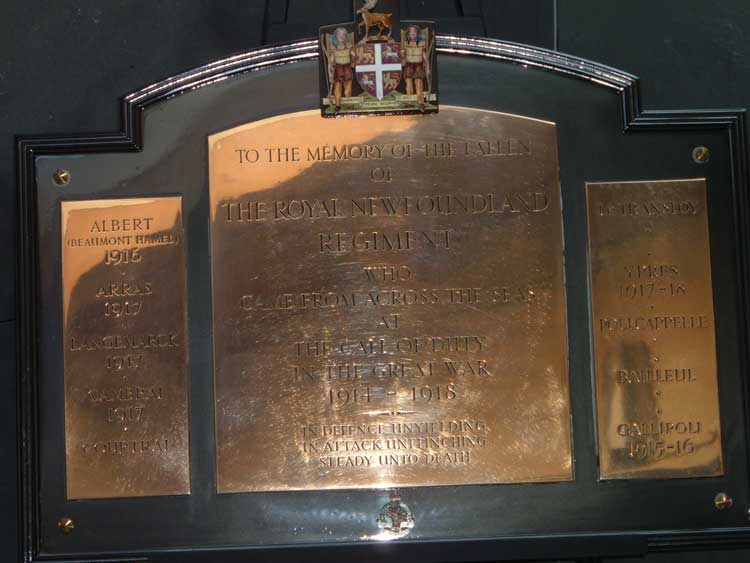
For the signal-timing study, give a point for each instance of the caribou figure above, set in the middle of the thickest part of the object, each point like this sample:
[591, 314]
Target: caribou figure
[370, 19]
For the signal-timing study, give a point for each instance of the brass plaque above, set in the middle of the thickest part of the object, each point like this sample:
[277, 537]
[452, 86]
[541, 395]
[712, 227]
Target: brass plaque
[389, 302]
[653, 330]
[126, 372]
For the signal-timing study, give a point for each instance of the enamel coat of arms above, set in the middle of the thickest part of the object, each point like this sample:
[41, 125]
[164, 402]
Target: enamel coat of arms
[379, 64]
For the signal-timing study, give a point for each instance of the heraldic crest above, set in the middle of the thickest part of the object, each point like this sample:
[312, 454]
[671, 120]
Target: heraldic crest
[378, 64]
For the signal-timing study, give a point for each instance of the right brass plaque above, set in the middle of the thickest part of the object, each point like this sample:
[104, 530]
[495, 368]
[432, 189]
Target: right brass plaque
[653, 330]
[389, 302]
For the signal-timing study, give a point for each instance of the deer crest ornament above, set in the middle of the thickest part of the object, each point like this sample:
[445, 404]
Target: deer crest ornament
[372, 19]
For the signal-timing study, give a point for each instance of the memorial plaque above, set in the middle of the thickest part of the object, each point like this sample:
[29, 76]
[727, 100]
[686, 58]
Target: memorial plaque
[653, 330]
[126, 374]
[384, 311]
[389, 302]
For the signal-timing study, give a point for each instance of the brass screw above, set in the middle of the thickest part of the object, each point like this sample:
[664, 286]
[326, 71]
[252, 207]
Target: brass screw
[701, 155]
[66, 525]
[61, 177]
[723, 501]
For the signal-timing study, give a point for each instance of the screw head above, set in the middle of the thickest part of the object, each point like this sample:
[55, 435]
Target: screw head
[66, 525]
[723, 501]
[701, 155]
[61, 177]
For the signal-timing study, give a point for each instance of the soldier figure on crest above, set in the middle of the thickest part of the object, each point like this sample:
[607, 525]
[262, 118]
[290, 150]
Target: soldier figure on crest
[340, 65]
[417, 62]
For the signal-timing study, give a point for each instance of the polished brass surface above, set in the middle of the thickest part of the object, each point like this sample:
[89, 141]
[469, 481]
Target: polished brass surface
[388, 302]
[653, 330]
[124, 335]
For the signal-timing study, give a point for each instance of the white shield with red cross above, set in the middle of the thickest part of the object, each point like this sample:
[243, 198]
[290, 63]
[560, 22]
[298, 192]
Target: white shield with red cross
[379, 68]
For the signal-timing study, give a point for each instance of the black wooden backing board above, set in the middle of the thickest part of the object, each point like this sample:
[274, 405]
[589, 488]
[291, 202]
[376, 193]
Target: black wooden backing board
[63, 65]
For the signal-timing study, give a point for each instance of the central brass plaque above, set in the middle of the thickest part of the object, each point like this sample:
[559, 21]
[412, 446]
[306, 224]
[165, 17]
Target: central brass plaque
[389, 304]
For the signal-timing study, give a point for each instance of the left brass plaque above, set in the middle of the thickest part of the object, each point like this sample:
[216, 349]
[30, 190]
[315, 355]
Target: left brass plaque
[126, 371]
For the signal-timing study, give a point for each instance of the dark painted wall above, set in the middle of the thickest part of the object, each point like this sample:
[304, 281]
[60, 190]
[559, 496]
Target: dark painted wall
[64, 64]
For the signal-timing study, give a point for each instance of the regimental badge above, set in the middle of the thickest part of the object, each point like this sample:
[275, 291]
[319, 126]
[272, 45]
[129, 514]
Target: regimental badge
[396, 519]
[378, 64]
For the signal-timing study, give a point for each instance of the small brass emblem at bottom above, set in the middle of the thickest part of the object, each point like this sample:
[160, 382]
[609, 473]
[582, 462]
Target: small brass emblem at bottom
[396, 519]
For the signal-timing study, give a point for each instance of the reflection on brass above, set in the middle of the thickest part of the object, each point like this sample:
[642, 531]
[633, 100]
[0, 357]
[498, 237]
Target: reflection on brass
[126, 374]
[653, 330]
[388, 302]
